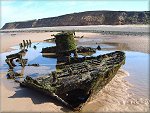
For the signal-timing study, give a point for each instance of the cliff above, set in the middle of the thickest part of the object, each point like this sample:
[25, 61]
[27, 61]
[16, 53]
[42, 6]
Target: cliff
[86, 18]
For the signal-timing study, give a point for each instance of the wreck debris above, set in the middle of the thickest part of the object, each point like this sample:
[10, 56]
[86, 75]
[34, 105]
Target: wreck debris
[82, 49]
[77, 83]
[51, 39]
[98, 47]
[78, 79]
[36, 65]
[22, 62]
[65, 43]
[11, 74]
[34, 46]
[26, 43]
[21, 45]
[49, 49]
[17, 56]
[30, 43]
[82, 36]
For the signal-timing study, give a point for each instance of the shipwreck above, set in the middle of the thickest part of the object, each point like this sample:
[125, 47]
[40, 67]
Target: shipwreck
[78, 79]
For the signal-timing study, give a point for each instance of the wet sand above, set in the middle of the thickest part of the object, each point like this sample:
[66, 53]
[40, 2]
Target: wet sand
[16, 99]
[116, 98]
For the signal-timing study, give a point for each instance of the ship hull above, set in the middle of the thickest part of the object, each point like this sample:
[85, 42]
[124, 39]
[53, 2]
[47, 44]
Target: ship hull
[77, 83]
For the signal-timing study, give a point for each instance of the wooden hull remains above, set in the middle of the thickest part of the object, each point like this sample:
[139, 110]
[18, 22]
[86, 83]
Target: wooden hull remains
[75, 84]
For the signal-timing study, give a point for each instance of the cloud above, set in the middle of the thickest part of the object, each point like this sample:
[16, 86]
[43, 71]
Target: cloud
[20, 11]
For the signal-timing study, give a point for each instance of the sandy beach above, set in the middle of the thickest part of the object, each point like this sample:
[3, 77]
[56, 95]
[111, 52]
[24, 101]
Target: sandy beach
[14, 99]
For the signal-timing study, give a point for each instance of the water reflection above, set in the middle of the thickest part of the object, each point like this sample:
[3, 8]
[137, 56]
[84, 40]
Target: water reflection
[34, 57]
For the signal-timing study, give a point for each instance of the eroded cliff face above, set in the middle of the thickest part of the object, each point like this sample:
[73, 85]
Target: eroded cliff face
[86, 18]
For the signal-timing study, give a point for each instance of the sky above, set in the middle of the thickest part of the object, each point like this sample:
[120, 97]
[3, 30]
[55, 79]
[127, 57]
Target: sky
[22, 10]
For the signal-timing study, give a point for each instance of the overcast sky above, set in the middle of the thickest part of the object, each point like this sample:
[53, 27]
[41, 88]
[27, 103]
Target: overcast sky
[20, 10]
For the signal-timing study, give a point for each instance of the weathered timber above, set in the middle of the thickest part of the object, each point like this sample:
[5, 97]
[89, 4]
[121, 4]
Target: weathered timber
[98, 47]
[21, 45]
[17, 56]
[27, 42]
[36, 65]
[30, 42]
[24, 43]
[77, 83]
[50, 40]
[12, 74]
[49, 49]
[82, 49]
